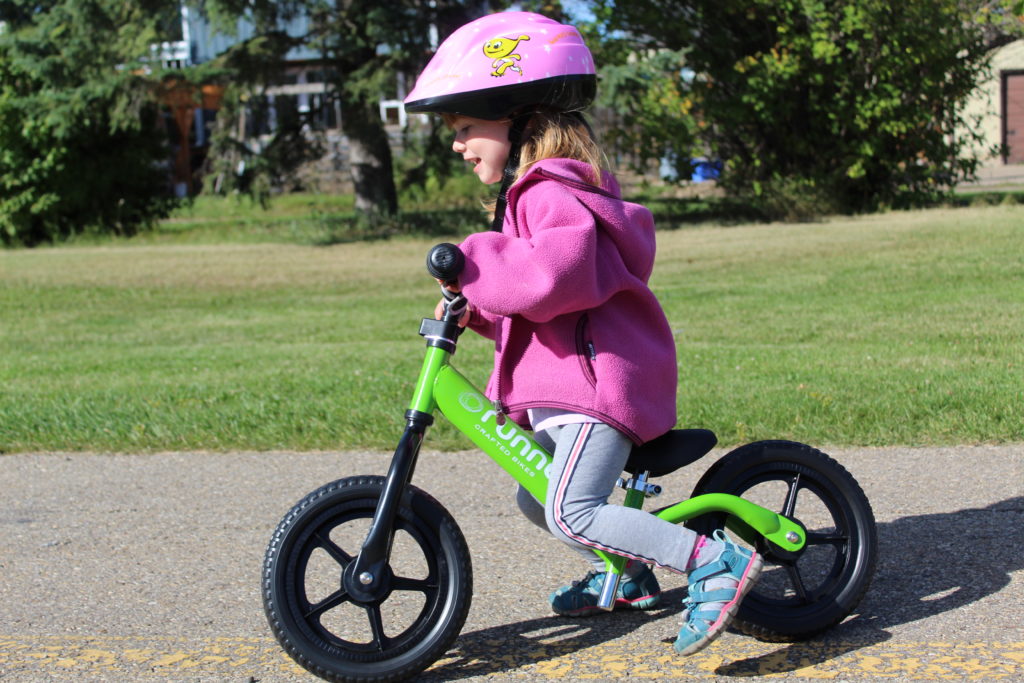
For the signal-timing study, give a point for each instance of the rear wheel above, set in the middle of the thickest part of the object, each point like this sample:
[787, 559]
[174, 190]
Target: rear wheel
[804, 593]
[339, 638]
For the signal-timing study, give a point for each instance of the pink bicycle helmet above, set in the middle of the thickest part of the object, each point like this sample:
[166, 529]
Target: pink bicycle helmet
[504, 63]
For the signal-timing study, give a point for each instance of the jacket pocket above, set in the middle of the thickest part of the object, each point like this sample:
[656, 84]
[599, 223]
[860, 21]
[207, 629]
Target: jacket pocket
[586, 352]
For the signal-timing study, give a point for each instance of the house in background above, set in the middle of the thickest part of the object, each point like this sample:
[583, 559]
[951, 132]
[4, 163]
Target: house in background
[999, 103]
[303, 91]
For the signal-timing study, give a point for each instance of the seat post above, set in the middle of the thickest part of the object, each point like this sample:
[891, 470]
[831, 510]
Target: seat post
[606, 600]
[637, 489]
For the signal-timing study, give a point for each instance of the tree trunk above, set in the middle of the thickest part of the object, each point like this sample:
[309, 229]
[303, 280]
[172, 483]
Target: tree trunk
[370, 159]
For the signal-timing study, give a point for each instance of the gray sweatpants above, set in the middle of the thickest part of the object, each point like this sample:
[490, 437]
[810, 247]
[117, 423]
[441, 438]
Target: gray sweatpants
[588, 458]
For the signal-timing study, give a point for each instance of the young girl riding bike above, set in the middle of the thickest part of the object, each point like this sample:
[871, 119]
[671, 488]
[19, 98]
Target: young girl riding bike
[583, 352]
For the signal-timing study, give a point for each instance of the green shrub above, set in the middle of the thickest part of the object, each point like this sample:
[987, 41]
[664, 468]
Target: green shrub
[81, 144]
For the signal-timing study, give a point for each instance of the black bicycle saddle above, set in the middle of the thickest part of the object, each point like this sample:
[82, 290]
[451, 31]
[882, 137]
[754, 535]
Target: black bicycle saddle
[670, 451]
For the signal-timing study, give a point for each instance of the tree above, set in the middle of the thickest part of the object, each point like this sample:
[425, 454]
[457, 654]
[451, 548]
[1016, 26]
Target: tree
[364, 46]
[826, 105]
[642, 108]
[1001, 21]
[80, 139]
[646, 96]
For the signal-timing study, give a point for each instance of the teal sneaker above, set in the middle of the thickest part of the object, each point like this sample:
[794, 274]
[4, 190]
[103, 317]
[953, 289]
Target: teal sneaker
[580, 599]
[715, 592]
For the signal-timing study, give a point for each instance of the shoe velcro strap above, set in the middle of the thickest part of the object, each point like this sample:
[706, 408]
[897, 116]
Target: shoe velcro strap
[734, 556]
[708, 570]
[709, 616]
[719, 595]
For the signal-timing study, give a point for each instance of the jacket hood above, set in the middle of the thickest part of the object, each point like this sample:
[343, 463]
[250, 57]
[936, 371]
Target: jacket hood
[629, 225]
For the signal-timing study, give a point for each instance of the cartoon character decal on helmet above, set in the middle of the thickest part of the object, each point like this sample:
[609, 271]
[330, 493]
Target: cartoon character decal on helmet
[501, 51]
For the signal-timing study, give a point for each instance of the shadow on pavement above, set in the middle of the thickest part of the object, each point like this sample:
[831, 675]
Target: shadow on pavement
[512, 646]
[928, 565]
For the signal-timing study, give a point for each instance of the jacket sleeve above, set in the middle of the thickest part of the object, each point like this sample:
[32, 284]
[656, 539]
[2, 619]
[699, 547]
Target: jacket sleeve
[564, 264]
[483, 323]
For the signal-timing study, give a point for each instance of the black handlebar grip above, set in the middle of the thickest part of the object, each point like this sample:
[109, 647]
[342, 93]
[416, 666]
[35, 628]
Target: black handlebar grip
[445, 262]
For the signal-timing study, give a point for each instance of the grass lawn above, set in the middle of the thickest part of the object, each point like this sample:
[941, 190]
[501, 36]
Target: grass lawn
[892, 329]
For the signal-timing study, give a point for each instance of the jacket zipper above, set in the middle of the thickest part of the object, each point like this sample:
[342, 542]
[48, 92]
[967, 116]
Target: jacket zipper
[499, 408]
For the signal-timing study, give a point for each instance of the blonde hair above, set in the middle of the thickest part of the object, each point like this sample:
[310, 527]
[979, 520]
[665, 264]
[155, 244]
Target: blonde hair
[558, 135]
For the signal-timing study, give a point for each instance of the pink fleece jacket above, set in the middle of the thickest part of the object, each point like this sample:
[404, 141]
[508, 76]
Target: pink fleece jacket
[562, 291]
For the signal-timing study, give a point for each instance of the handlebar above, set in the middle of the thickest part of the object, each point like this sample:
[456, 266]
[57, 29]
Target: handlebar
[445, 262]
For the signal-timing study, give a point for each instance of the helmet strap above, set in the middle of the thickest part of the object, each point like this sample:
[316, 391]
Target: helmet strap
[508, 176]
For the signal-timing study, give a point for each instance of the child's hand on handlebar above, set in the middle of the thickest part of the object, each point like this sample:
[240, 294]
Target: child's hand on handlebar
[440, 308]
[450, 289]
[453, 287]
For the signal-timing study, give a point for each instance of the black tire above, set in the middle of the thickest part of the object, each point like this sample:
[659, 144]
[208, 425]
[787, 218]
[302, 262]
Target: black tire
[799, 594]
[392, 639]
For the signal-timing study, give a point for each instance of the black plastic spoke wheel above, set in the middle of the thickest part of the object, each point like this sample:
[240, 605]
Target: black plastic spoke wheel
[804, 593]
[404, 627]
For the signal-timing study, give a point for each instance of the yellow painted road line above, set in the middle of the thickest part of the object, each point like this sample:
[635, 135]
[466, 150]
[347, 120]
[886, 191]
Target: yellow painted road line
[139, 656]
[32, 657]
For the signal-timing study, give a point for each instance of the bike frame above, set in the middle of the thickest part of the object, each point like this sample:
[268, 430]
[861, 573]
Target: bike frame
[441, 387]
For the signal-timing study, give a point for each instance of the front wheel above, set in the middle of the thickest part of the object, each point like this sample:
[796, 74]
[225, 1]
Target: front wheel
[799, 594]
[394, 637]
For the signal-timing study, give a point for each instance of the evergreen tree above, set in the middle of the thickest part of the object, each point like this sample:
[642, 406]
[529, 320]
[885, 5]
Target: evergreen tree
[81, 143]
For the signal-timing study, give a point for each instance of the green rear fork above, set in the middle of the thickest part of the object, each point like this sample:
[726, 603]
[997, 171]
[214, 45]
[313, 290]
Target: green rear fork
[757, 521]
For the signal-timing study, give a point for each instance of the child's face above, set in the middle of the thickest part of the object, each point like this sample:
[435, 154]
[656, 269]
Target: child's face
[484, 144]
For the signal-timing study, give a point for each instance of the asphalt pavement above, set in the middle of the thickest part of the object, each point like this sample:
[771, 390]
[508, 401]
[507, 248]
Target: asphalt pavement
[147, 567]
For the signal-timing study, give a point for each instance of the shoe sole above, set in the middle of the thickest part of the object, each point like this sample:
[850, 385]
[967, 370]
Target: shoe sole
[646, 602]
[747, 581]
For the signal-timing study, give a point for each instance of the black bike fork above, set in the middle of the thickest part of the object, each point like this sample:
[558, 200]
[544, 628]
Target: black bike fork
[368, 578]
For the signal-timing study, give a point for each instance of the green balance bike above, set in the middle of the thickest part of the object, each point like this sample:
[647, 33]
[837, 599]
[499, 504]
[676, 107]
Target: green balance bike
[368, 578]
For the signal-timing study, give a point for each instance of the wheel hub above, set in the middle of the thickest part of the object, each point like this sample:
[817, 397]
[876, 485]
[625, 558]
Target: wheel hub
[368, 586]
[778, 554]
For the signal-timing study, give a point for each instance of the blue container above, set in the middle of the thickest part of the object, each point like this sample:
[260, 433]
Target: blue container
[705, 170]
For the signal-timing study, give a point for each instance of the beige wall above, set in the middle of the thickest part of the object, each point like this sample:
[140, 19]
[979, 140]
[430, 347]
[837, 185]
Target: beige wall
[987, 101]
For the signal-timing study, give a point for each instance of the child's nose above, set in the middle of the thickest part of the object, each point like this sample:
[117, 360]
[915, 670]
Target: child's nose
[458, 147]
